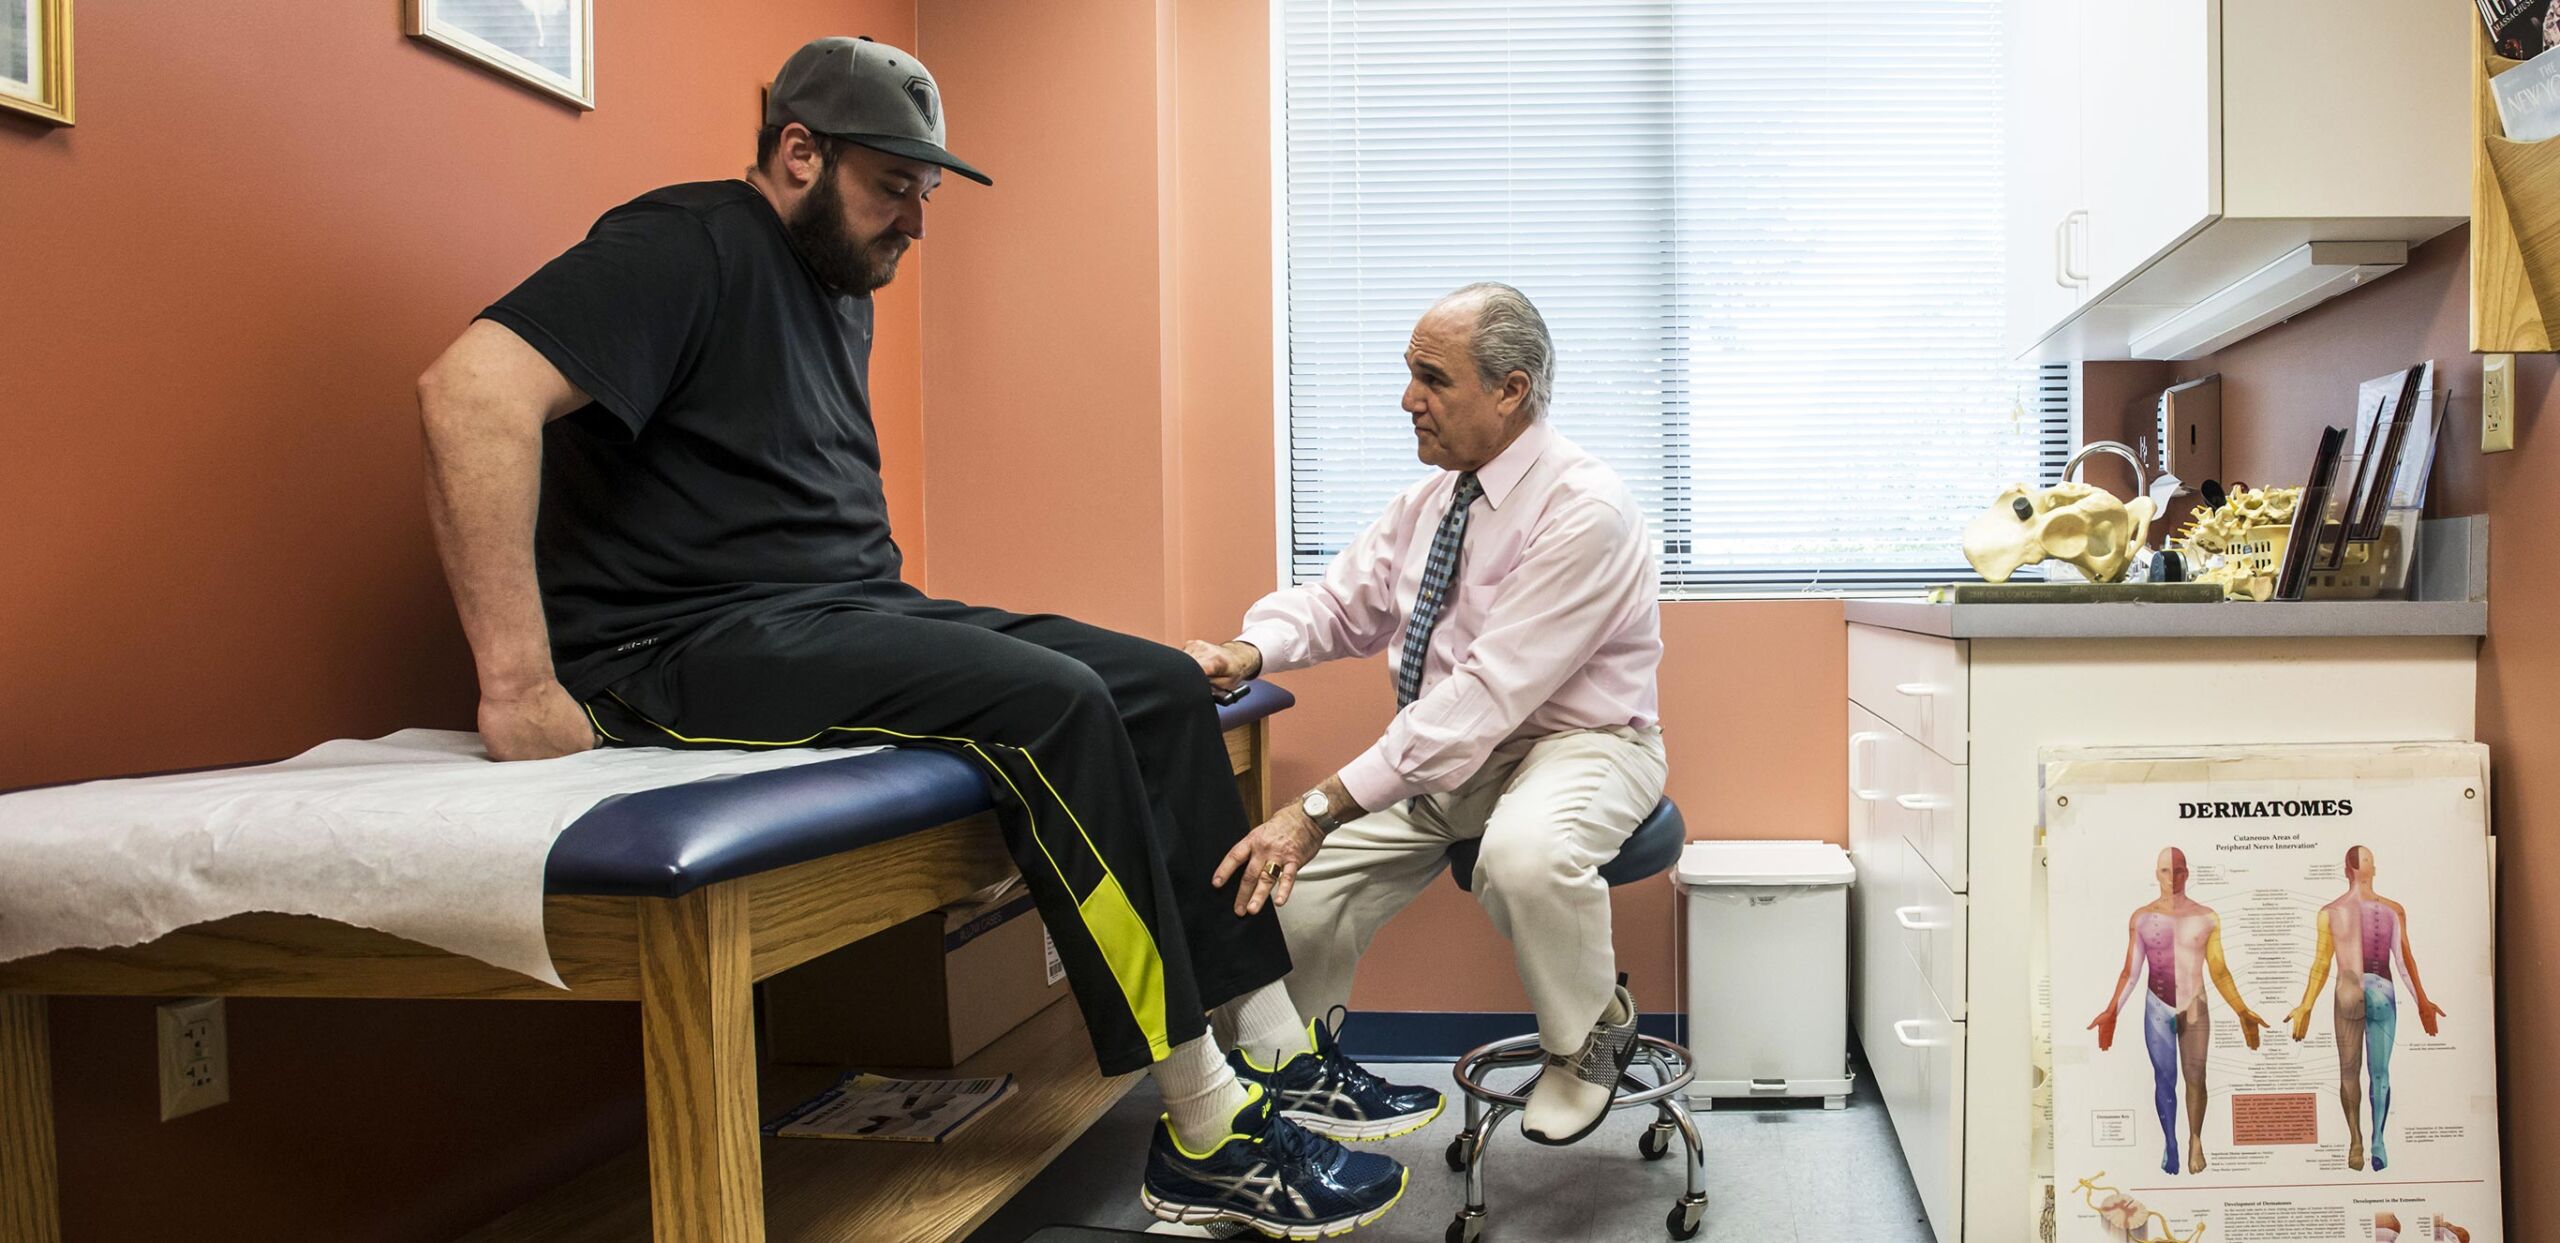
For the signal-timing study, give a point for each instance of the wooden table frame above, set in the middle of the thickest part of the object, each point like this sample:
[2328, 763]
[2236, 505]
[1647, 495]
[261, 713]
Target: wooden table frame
[691, 963]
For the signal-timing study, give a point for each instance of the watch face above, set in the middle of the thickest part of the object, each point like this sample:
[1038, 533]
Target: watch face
[1315, 804]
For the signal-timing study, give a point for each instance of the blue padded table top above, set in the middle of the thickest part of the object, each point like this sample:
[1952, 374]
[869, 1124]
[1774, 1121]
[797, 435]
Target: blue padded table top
[668, 842]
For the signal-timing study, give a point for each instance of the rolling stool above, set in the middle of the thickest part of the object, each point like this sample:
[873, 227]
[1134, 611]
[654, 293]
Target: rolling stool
[1649, 851]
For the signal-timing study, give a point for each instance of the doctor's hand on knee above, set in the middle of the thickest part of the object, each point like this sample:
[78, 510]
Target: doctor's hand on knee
[1265, 862]
[539, 724]
[1226, 663]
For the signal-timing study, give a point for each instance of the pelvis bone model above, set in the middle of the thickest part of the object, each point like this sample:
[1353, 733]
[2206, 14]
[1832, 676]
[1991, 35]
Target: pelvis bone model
[2080, 525]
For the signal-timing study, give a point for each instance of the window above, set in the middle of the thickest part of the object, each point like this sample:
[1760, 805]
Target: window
[1766, 236]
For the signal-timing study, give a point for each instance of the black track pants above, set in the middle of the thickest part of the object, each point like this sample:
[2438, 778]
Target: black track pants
[1110, 775]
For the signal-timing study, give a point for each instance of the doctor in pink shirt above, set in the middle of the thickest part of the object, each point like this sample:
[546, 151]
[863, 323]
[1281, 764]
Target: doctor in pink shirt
[1522, 576]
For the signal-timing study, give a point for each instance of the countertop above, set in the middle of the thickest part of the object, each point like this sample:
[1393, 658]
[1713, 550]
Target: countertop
[2299, 619]
[2451, 583]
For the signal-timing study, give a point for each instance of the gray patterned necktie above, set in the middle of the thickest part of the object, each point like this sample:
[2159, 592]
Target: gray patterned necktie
[1436, 577]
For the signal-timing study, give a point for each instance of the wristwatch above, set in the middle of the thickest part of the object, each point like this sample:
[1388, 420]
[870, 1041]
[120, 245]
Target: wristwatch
[1319, 809]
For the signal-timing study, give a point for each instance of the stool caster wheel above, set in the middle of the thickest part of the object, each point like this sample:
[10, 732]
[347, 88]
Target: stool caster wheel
[1655, 1143]
[1684, 1217]
[1457, 1155]
[1466, 1229]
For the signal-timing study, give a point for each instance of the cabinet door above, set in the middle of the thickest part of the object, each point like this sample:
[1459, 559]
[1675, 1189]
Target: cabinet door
[2151, 128]
[2042, 165]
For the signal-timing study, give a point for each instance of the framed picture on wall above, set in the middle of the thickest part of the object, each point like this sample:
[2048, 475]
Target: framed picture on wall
[549, 45]
[35, 58]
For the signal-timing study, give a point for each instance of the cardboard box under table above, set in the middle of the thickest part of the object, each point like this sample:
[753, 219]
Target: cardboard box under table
[929, 992]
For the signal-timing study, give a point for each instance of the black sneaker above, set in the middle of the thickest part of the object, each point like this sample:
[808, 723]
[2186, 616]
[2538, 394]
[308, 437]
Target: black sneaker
[1271, 1175]
[1335, 1097]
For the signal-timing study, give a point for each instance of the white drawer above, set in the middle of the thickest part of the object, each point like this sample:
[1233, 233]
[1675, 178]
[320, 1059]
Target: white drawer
[1875, 778]
[1928, 797]
[1876, 849]
[1918, 1059]
[1931, 919]
[1916, 682]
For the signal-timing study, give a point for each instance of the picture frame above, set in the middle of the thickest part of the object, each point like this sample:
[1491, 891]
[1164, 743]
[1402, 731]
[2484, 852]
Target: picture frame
[35, 59]
[549, 45]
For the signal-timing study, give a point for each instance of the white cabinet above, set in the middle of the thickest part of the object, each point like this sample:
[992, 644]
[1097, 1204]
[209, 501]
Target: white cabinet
[2161, 152]
[2042, 162]
[2150, 130]
[1943, 731]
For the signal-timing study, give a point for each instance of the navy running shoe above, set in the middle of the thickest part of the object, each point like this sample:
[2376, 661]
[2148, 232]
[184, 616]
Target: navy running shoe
[1271, 1176]
[1333, 1096]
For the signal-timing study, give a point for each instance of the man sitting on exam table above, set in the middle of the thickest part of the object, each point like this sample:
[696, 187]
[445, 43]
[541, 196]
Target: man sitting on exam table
[656, 489]
[1516, 586]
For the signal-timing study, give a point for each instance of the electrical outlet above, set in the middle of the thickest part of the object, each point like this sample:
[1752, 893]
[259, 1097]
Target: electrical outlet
[195, 1057]
[2497, 402]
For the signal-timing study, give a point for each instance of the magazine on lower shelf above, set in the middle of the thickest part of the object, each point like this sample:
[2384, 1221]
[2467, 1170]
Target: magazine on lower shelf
[914, 1111]
[2521, 29]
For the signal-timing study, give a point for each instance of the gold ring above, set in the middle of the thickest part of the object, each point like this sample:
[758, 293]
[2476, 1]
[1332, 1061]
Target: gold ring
[1272, 872]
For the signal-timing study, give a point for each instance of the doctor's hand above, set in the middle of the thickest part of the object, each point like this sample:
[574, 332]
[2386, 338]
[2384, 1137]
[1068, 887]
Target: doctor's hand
[1266, 862]
[1226, 663]
[539, 724]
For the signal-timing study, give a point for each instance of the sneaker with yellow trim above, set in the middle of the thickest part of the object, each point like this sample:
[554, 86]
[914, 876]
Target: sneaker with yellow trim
[1271, 1175]
[1328, 1093]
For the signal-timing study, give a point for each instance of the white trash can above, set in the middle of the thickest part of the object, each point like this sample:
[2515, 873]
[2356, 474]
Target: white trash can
[1768, 978]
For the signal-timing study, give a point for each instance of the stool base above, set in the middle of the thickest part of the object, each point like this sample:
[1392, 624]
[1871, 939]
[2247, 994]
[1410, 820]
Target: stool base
[1669, 1071]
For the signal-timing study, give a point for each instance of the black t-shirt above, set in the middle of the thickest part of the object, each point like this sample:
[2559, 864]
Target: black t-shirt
[728, 457]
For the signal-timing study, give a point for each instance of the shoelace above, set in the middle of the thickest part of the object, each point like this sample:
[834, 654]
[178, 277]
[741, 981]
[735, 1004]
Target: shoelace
[1297, 1145]
[1341, 1070]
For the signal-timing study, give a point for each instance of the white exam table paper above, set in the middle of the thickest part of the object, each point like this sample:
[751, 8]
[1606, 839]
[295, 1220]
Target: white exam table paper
[416, 834]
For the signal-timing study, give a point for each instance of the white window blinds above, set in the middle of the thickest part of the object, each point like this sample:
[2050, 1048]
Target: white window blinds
[1765, 234]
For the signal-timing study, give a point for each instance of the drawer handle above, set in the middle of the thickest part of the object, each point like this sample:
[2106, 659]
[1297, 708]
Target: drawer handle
[1857, 785]
[1919, 690]
[1922, 802]
[1903, 915]
[1906, 1038]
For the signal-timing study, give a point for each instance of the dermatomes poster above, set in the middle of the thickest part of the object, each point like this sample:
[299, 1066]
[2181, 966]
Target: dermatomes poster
[2272, 1007]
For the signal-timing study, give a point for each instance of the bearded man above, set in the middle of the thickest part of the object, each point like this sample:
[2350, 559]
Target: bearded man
[656, 489]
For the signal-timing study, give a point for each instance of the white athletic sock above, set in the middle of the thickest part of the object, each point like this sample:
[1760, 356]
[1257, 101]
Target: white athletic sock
[1265, 1026]
[1200, 1093]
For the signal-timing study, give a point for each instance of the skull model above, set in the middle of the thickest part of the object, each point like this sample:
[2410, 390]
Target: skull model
[2082, 526]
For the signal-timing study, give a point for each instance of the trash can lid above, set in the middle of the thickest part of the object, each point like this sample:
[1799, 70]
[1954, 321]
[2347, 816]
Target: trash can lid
[1765, 863]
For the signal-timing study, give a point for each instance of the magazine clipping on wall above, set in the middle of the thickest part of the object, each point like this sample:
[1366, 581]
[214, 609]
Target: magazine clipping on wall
[2288, 955]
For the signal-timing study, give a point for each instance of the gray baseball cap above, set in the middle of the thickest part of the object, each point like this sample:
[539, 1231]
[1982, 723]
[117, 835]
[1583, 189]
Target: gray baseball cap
[867, 93]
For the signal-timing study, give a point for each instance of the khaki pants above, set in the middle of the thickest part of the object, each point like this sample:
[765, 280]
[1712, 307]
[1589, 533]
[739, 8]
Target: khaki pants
[1551, 811]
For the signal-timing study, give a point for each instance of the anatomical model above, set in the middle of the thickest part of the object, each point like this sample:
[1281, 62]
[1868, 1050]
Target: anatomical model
[2171, 945]
[2211, 541]
[2083, 526]
[2361, 932]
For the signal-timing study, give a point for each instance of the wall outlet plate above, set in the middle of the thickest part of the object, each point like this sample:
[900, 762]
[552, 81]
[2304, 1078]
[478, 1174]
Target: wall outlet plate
[195, 1056]
[2497, 403]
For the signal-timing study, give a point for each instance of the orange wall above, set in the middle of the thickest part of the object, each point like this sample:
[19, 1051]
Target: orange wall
[1098, 371]
[2279, 388]
[1045, 486]
[219, 288]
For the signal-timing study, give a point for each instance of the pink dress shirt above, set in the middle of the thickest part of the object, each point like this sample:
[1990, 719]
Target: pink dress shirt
[1554, 623]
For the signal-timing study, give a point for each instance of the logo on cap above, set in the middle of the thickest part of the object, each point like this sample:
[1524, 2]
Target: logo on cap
[920, 93]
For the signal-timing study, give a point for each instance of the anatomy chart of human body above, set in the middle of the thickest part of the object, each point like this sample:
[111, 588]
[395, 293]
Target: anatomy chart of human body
[2207, 888]
[2171, 945]
[2365, 937]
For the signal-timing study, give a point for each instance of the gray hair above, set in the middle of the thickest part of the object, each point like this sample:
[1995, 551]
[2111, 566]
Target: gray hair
[1510, 336]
